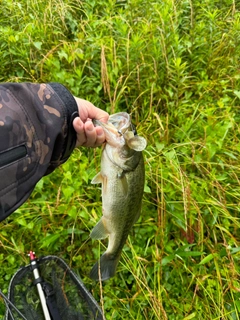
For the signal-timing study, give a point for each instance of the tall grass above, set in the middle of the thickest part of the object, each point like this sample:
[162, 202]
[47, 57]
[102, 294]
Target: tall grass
[174, 65]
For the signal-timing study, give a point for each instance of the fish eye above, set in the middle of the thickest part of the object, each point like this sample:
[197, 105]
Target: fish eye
[120, 132]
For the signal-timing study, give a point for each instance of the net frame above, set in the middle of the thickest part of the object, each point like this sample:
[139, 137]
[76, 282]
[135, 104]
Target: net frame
[73, 299]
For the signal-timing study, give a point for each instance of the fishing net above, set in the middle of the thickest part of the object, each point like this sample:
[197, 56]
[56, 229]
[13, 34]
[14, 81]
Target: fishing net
[63, 291]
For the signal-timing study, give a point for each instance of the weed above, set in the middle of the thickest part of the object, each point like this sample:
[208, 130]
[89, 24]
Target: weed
[174, 66]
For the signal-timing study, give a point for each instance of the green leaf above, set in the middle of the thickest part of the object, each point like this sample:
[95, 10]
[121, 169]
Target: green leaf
[50, 239]
[22, 221]
[68, 191]
[207, 258]
[167, 259]
[147, 189]
[190, 316]
[237, 93]
[37, 44]
[189, 253]
[170, 154]
[231, 155]
[234, 250]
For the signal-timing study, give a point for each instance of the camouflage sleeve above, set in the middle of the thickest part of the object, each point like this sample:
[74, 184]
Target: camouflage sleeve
[36, 136]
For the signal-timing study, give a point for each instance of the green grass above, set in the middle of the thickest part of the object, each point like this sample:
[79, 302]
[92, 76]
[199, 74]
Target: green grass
[175, 66]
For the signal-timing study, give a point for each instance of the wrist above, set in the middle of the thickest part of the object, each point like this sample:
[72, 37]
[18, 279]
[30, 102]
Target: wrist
[70, 113]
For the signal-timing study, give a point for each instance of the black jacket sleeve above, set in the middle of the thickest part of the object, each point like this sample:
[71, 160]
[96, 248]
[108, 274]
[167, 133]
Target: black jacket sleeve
[36, 136]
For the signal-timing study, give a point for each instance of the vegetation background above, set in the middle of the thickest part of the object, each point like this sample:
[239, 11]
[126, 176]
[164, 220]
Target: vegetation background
[175, 66]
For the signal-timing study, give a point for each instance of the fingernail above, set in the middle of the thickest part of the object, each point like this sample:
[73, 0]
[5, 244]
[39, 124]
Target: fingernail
[90, 126]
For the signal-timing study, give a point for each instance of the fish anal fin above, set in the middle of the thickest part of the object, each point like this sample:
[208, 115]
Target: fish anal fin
[99, 231]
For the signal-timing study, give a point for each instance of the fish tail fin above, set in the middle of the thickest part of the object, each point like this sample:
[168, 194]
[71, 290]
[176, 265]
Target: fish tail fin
[107, 265]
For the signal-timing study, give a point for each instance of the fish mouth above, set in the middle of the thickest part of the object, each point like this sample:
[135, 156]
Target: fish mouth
[117, 124]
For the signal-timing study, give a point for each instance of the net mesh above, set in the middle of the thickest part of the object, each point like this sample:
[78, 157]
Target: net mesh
[72, 299]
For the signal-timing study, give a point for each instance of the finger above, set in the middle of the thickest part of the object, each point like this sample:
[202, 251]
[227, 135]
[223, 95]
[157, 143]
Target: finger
[95, 136]
[87, 134]
[79, 128]
[100, 136]
[78, 125]
[91, 134]
[98, 114]
[88, 110]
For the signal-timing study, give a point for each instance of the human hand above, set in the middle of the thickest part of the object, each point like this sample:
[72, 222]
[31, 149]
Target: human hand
[87, 134]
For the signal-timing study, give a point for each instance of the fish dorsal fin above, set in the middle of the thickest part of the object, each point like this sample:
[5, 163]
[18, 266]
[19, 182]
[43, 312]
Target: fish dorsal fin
[136, 143]
[99, 231]
[97, 179]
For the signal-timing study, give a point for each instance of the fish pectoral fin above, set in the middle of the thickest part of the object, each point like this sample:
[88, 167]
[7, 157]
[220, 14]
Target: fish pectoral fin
[124, 183]
[137, 143]
[97, 179]
[99, 231]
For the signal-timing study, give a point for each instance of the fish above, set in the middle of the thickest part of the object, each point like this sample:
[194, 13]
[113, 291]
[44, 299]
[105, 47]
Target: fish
[122, 177]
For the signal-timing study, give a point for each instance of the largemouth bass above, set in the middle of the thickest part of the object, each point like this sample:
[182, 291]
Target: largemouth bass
[122, 178]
